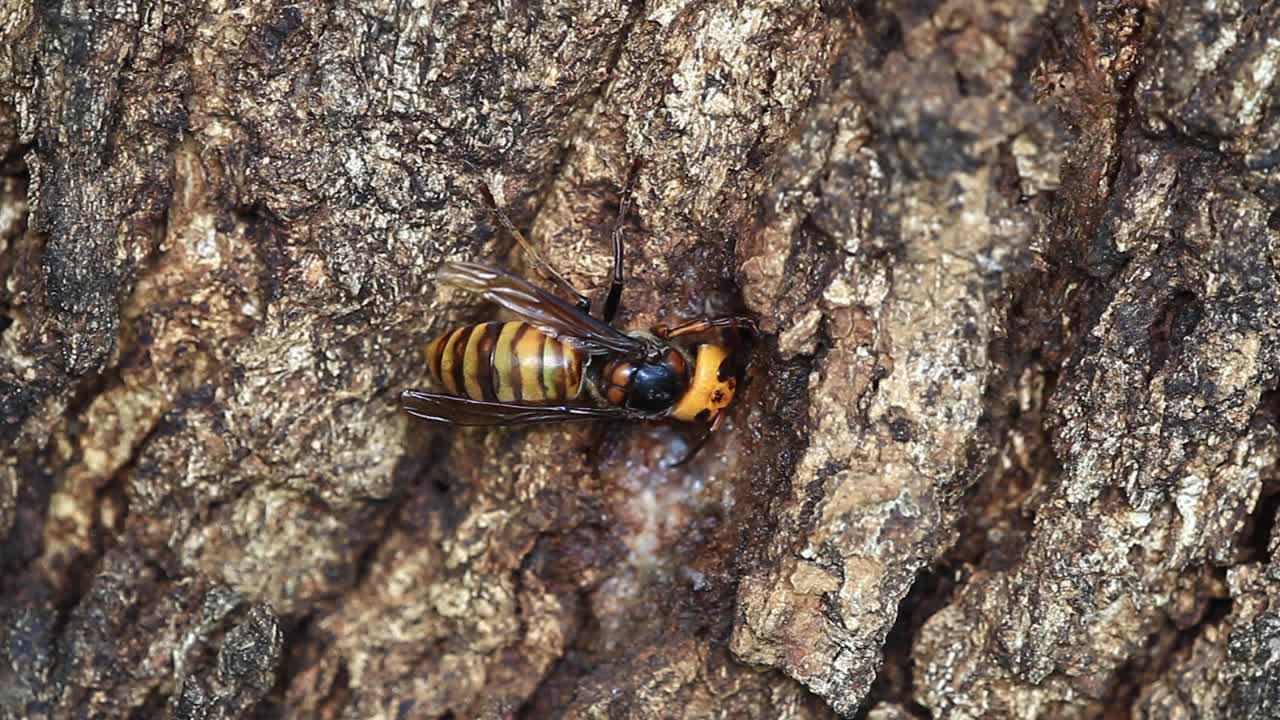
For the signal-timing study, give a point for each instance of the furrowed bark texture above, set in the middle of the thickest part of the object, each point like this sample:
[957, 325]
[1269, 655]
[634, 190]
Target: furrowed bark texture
[1009, 443]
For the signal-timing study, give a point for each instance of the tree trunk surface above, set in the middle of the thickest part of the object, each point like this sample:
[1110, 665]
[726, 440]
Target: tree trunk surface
[1008, 447]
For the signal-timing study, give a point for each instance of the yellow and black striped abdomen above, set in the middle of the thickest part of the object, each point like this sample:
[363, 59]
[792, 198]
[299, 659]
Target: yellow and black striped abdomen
[505, 361]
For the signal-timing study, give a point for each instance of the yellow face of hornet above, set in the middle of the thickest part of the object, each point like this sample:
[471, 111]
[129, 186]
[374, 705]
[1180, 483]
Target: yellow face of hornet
[711, 388]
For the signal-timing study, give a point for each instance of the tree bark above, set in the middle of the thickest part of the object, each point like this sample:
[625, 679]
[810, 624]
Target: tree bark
[1008, 448]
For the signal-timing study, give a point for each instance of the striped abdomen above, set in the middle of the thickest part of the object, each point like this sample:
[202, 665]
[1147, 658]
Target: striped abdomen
[505, 361]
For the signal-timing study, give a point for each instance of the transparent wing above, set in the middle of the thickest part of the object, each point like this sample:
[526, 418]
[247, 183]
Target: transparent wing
[539, 308]
[435, 407]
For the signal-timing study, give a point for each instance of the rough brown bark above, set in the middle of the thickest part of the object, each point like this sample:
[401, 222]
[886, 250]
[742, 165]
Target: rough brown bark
[1009, 447]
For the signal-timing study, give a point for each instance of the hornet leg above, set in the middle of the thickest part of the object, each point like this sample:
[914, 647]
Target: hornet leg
[614, 298]
[583, 303]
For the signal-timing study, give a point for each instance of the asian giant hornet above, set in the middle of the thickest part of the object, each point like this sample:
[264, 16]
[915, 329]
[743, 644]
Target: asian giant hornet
[557, 363]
